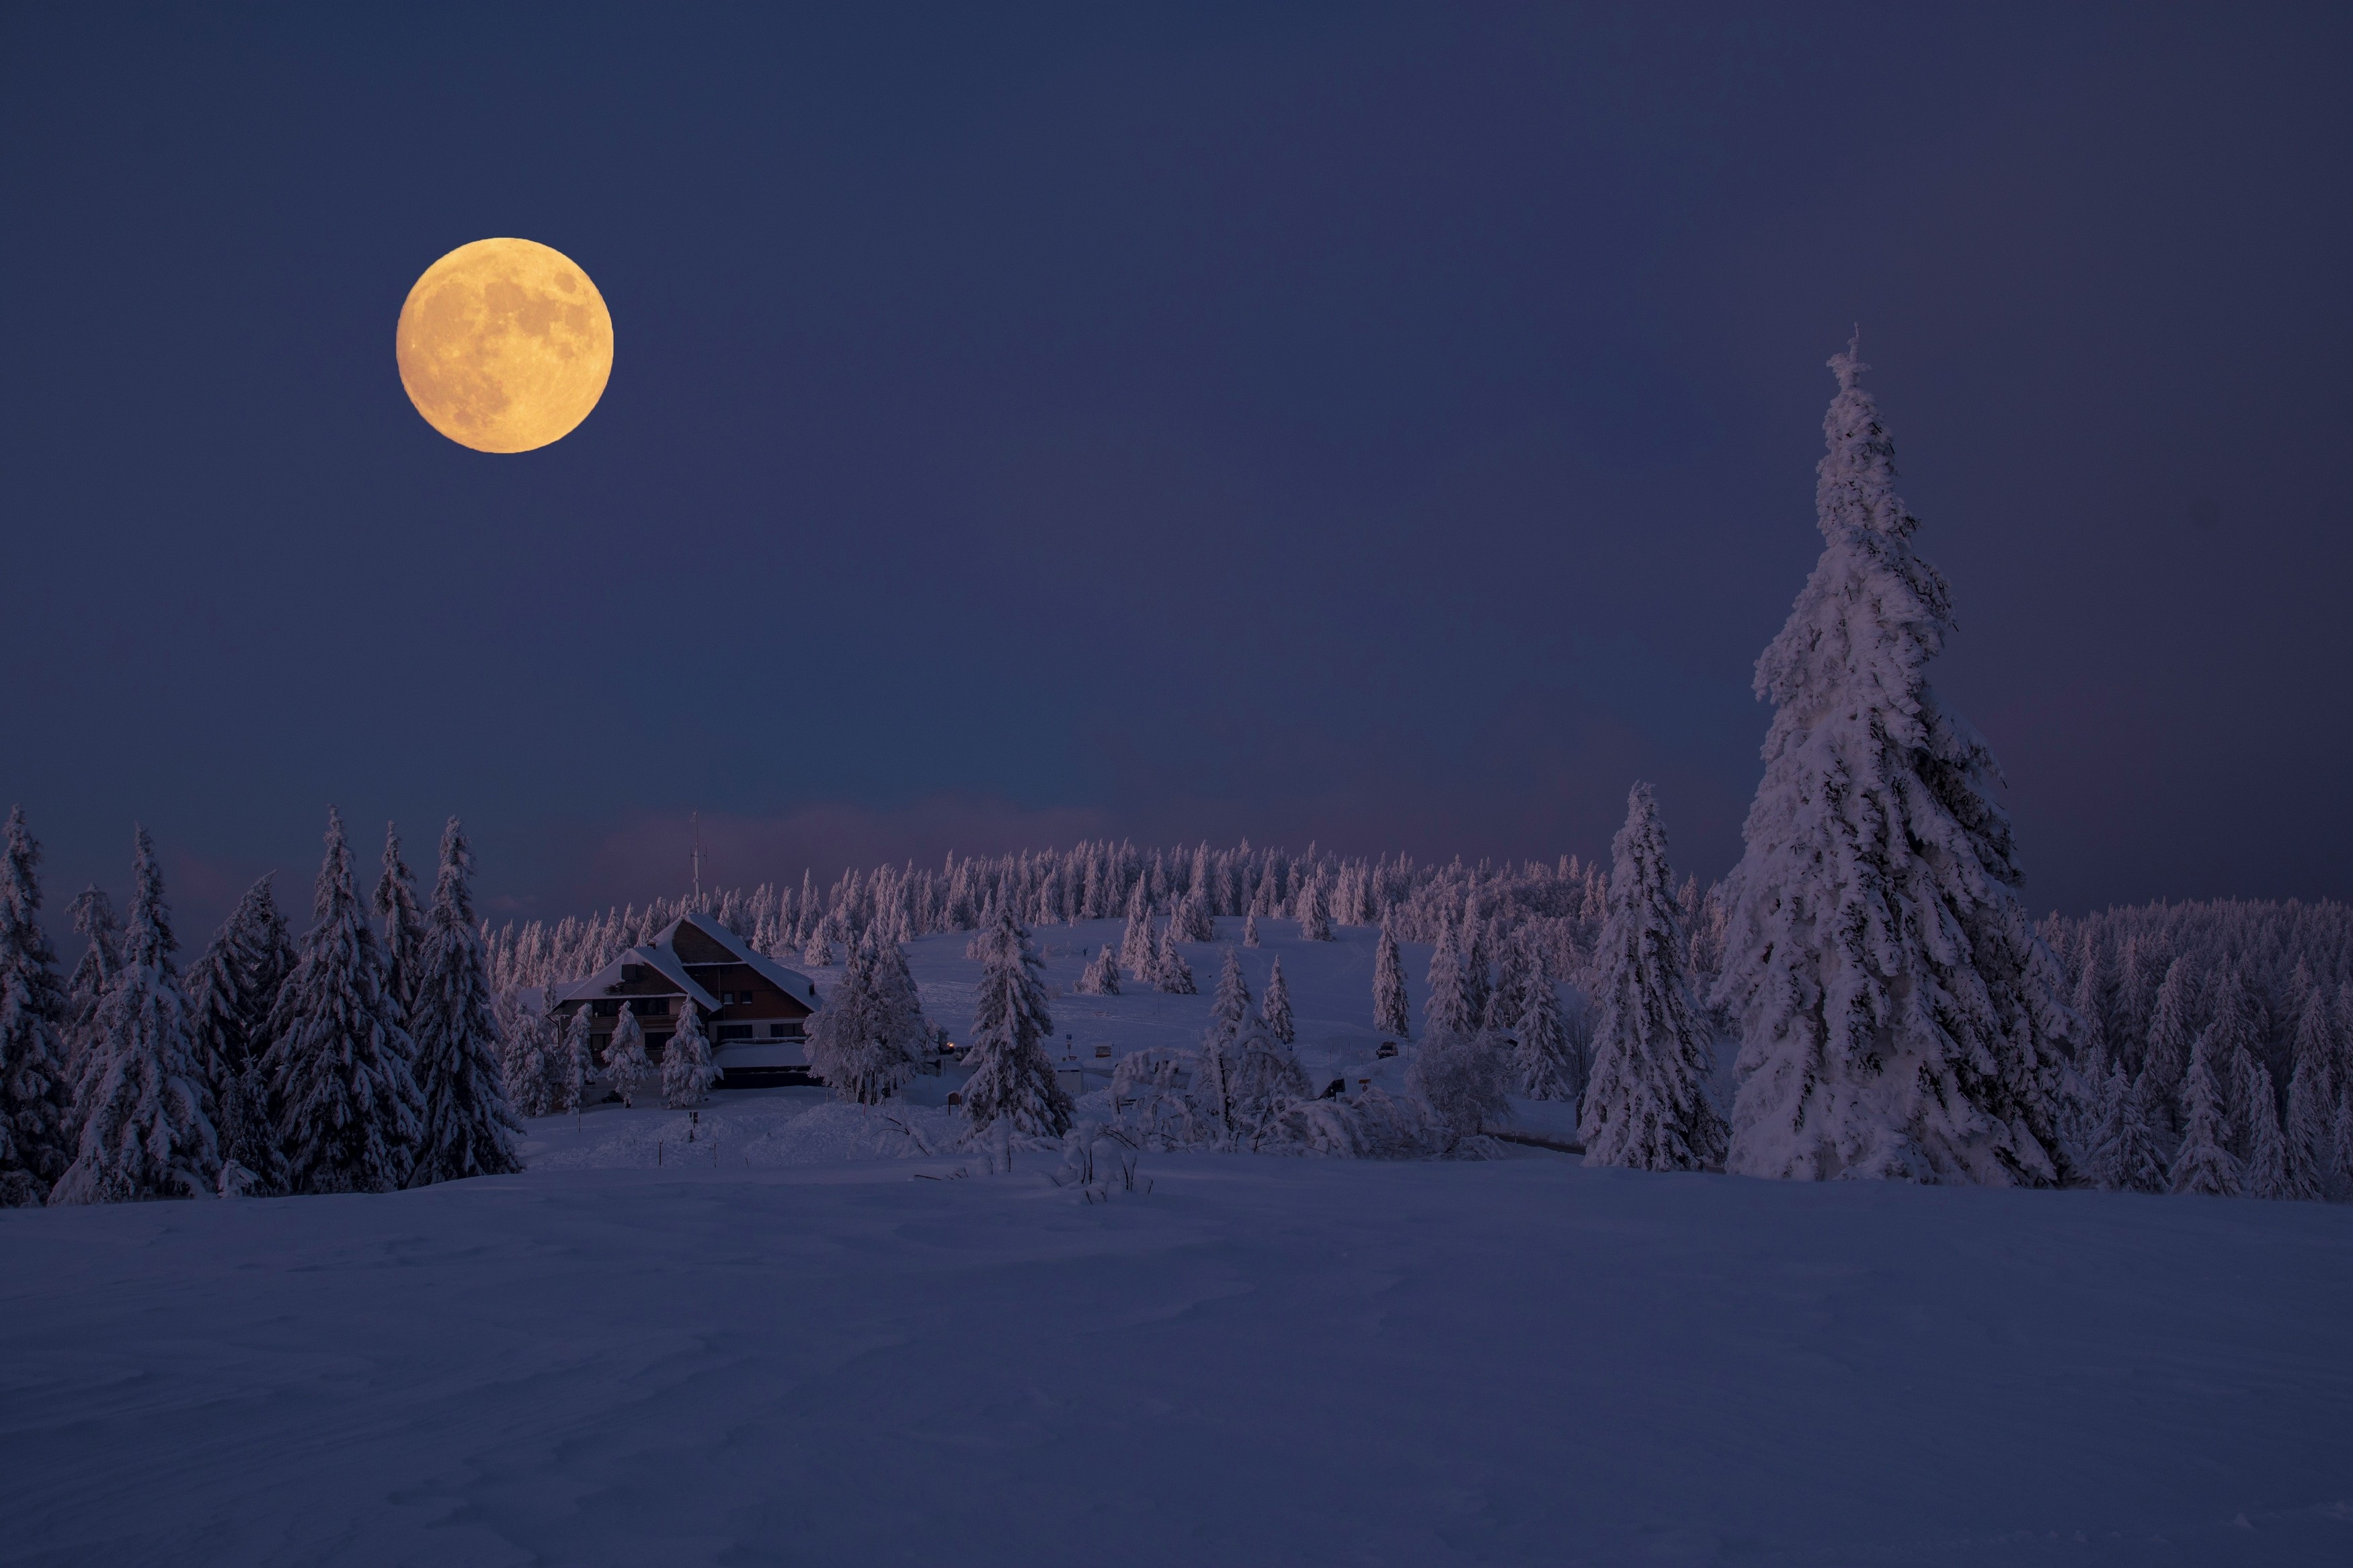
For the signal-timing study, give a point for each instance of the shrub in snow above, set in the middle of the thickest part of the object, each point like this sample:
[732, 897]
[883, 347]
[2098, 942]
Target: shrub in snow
[1101, 975]
[1646, 1106]
[1012, 1080]
[340, 1058]
[1392, 1015]
[1899, 1015]
[1463, 1079]
[1368, 1125]
[872, 1033]
[687, 1074]
[150, 1131]
[467, 1129]
[1148, 1091]
[625, 1062]
[1275, 1009]
[35, 1141]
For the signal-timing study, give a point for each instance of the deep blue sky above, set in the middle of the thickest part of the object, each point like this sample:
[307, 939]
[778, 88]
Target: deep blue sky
[1391, 427]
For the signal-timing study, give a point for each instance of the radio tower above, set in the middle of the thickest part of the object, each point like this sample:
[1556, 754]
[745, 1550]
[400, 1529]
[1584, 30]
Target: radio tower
[696, 818]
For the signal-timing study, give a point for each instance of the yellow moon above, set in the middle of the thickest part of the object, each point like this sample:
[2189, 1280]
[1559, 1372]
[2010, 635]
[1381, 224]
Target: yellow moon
[504, 345]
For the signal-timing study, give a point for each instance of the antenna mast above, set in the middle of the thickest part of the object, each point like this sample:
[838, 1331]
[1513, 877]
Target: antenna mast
[696, 818]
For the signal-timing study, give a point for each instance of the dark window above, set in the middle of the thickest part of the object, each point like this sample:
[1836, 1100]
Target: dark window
[649, 1006]
[735, 1031]
[656, 1045]
[790, 1029]
[605, 1010]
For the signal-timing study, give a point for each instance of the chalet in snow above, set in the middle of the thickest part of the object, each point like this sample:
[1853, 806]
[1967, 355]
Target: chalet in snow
[754, 1011]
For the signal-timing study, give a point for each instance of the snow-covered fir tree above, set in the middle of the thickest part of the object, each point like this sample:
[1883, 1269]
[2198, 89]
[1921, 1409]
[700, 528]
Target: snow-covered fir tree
[1448, 1009]
[340, 1060]
[1314, 919]
[230, 990]
[1230, 1006]
[1170, 972]
[625, 1062]
[1899, 1015]
[1138, 952]
[574, 1066]
[468, 1128]
[1100, 978]
[870, 1033]
[1274, 1008]
[1012, 1080]
[1250, 931]
[1545, 1063]
[1392, 1012]
[1191, 921]
[149, 1131]
[36, 1140]
[687, 1074]
[2125, 1153]
[2307, 1153]
[2266, 1171]
[92, 913]
[2172, 1029]
[2203, 1162]
[1646, 1106]
[819, 952]
[400, 924]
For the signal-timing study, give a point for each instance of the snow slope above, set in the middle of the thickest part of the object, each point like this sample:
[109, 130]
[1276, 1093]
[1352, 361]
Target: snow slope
[1262, 1361]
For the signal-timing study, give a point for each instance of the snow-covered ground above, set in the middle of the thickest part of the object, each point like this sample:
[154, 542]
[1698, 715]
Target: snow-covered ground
[775, 1344]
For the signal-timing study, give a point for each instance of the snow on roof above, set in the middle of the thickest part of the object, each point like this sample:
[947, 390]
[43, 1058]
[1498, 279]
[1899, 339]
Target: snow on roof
[790, 981]
[660, 955]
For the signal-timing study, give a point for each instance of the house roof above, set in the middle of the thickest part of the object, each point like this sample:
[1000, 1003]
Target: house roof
[661, 956]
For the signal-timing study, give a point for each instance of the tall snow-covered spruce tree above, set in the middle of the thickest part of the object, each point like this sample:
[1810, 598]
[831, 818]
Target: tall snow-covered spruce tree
[868, 1038]
[150, 1129]
[1647, 1106]
[1012, 1079]
[1899, 1016]
[340, 1058]
[469, 1130]
[1392, 1012]
[35, 1145]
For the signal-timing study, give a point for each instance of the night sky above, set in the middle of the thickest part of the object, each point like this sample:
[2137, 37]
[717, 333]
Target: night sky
[1391, 428]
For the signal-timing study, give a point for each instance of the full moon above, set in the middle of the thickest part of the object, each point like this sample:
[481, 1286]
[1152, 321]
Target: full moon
[504, 345]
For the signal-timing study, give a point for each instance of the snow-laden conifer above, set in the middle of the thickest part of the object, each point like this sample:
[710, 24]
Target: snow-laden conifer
[1646, 1106]
[2125, 1156]
[866, 1042]
[2304, 1154]
[400, 924]
[1191, 921]
[1314, 919]
[1100, 978]
[230, 990]
[340, 1058]
[1230, 1006]
[1448, 1009]
[1392, 1012]
[1012, 1080]
[687, 1074]
[1138, 952]
[819, 952]
[1545, 1063]
[1170, 972]
[1899, 1015]
[2203, 1162]
[2173, 1028]
[92, 913]
[1274, 1008]
[572, 1066]
[2340, 1138]
[468, 1128]
[36, 1138]
[2266, 1174]
[150, 1131]
[625, 1062]
[1249, 930]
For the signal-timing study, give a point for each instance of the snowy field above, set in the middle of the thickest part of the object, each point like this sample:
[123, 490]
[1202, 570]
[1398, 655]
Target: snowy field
[775, 1344]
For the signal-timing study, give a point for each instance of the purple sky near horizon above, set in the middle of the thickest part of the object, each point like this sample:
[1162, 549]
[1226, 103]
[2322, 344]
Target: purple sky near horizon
[1375, 426]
